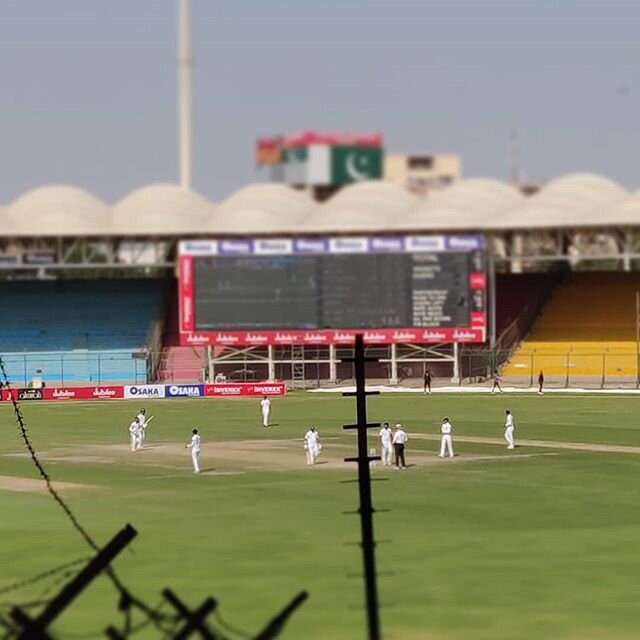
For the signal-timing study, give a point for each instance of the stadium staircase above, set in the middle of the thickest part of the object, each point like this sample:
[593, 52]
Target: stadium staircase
[587, 329]
[78, 331]
[178, 364]
[518, 302]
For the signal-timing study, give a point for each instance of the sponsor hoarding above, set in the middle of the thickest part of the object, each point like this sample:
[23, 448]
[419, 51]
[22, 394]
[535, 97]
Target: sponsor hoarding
[83, 393]
[145, 391]
[21, 394]
[230, 390]
[475, 333]
[184, 391]
[29, 394]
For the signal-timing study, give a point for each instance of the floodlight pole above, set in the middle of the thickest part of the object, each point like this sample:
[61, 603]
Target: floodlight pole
[184, 94]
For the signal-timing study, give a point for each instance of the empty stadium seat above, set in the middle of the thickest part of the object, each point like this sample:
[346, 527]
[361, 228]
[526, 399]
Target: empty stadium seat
[587, 329]
[77, 330]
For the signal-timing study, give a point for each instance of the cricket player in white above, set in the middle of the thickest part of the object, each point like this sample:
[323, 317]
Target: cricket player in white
[265, 409]
[134, 431]
[509, 428]
[400, 438]
[445, 439]
[386, 436]
[142, 422]
[312, 445]
[194, 445]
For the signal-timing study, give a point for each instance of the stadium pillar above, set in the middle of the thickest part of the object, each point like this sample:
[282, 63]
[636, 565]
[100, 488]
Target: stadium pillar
[333, 375]
[516, 252]
[628, 248]
[456, 364]
[271, 364]
[492, 300]
[209, 363]
[393, 378]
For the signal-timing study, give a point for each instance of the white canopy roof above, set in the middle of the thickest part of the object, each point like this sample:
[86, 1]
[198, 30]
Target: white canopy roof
[577, 200]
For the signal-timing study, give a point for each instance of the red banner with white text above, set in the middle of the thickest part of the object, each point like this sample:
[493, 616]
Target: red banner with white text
[83, 393]
[230, 390]
[339, 337]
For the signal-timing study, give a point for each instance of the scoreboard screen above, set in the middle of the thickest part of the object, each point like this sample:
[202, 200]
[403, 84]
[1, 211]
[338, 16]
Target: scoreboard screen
[322, 291]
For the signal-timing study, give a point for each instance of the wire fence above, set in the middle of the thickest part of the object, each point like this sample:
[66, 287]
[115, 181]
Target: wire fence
[593, 368]
[561, 367]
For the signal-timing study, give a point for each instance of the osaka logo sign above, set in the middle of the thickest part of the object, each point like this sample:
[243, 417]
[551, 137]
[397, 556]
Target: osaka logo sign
[183, 391]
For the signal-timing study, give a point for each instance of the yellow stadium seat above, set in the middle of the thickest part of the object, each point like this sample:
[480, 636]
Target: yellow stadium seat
[588, 328]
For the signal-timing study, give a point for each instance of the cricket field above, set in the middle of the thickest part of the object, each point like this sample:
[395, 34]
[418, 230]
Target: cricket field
[533, 544]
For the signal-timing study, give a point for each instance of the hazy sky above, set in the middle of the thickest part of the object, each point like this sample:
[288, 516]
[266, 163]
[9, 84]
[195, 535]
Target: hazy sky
[88, 86]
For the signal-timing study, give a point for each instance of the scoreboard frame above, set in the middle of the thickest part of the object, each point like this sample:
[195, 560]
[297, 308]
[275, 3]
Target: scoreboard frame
[190, 250]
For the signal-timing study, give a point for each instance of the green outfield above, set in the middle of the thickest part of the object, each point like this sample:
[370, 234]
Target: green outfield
[538, 543]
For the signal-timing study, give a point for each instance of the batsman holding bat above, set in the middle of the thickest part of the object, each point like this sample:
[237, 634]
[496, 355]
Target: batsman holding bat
[143, 423]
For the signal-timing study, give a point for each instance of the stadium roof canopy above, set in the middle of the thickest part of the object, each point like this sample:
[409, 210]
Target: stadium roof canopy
[572, 201]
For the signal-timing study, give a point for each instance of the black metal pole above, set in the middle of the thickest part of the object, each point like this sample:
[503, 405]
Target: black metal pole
[36, 628]
[195, 620]
[364, 485]
[275, 626]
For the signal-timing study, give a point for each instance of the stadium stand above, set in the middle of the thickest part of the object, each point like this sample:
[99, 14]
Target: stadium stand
[588, 328]
[78, 330]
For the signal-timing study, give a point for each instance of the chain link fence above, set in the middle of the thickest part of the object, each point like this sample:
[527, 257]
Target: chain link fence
[594, 369]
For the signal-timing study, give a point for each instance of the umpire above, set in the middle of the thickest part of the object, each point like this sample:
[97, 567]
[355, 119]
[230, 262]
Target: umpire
[400, 438]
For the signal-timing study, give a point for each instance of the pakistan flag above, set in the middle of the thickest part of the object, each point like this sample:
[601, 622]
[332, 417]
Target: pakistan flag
[354, 164]
[296, 154]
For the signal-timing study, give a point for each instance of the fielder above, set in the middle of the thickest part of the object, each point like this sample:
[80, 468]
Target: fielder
[194, 445]
[386, 448]
[509, 428]
[445, 439]
[265, 409]
[312, 445]
[134, 431]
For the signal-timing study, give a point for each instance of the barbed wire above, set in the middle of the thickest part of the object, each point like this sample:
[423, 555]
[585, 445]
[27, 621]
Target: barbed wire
[230, 628]
[166, 624]
[127, 600]
[21, 584]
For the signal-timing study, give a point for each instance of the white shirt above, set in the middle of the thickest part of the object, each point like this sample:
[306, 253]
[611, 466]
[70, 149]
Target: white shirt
[134, 428]
[142, 420]
[265, 404]
[195, 442]
[508, 422]
[385, 436]
[400, 437]
[445, 428]
[311, 438]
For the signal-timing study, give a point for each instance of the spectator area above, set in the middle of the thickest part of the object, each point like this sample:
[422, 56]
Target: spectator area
[588, 328]
[78, 330]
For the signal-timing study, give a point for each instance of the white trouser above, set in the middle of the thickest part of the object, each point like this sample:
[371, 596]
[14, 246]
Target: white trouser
[312, 454]
[142, 434]
[387, 454]
[445, 444]
[134, 441]
[195, 458]
[265, 417]
[508, 436]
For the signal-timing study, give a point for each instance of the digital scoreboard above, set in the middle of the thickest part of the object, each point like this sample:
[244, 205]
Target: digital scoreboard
[422, 289]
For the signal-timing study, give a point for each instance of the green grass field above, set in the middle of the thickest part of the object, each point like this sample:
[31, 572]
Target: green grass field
[539, 543]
